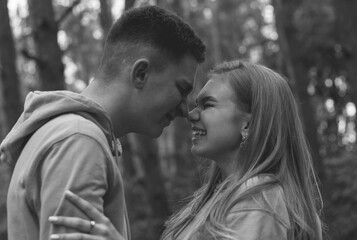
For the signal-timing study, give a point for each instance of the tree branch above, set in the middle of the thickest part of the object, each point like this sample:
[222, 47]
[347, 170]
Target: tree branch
[31, 56]
[67, 12]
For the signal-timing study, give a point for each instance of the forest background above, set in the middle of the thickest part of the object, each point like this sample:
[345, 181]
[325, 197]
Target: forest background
[57, 44]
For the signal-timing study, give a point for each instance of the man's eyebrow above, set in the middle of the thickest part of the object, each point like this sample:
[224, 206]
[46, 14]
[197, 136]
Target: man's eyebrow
[187, 86]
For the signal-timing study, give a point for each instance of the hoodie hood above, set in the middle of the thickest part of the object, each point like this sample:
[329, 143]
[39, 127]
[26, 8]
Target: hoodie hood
[41, 107]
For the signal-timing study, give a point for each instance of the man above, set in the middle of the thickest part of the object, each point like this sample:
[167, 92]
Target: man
[67, 141]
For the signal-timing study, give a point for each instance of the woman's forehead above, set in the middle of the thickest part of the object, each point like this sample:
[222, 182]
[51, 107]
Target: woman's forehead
[216, 88]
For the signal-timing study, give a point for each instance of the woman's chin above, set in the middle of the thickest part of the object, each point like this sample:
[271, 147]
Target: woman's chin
[197, 151]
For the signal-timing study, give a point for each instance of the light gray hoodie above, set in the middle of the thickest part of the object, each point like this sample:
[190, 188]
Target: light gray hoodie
[61, 141]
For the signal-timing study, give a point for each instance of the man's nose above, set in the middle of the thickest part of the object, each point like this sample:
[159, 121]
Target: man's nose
[183, 109]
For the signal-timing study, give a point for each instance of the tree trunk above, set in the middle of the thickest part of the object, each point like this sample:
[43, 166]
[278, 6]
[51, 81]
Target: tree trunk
[5, 176]
[48, 54]
[297, 72]
[285, 56]
[2, 117]
[154, 182]
[181, 135]
[129, 4]
[105, 15]
[177, 7]
[346, 36]
[10, 93]
[216, 43]
[11, 103]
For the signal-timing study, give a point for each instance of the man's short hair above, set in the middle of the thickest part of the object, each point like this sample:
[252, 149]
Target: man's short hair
[155, 28]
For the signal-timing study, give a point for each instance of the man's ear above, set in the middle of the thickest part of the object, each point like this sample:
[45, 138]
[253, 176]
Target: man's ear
[139, 72]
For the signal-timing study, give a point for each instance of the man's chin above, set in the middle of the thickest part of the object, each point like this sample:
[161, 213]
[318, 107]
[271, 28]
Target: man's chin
[153, 132]
[157, 133]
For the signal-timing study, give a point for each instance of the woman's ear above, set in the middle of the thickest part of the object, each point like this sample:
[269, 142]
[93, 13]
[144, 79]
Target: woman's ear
[245, 130]
[246, 126]
[139, 72]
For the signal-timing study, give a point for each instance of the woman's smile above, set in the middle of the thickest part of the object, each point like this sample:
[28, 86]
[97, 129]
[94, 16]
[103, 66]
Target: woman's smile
[197, 133]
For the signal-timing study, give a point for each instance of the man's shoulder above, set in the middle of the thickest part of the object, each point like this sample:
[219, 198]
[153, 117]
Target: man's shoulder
[69, 124]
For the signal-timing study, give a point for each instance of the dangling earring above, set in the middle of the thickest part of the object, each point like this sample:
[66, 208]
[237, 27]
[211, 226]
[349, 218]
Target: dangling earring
[243, 142]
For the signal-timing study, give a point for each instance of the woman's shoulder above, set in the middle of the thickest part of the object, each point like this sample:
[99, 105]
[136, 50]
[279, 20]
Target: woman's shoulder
[268, 201]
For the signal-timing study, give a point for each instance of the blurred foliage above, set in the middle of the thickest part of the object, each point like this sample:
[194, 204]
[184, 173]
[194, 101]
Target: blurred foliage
[231, 29]
[340, 207]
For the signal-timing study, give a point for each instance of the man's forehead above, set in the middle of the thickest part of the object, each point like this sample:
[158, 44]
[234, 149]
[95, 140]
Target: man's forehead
[190, 74]
[193, 80]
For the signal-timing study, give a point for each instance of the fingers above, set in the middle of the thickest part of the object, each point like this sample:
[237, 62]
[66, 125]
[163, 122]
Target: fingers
[71, 222]
[74, 236]
[101, 229]
[85, 206]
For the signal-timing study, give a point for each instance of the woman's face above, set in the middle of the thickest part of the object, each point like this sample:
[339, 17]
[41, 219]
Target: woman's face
[217, 122]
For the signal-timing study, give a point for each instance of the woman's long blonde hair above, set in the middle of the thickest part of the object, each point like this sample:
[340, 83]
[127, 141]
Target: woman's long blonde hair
[276, 145]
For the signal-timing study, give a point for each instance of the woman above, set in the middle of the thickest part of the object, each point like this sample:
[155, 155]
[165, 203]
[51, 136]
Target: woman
[262, 184]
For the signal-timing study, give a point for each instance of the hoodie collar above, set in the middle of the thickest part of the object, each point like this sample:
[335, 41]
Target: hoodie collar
[40, 107]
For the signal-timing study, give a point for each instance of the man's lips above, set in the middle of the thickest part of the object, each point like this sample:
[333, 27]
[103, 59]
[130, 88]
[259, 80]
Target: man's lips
[170, 117]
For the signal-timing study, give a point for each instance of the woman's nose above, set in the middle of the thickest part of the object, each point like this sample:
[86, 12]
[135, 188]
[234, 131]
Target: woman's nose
[193, 115]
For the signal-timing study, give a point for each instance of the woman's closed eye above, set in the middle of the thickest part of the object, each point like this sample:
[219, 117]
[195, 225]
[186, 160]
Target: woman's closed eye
[202, 105]
[207, 105]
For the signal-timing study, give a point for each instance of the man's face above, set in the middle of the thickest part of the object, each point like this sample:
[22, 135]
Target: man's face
[165, 95]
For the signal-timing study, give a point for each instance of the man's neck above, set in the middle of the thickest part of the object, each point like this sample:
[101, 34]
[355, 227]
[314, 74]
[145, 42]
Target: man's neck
[110, 100]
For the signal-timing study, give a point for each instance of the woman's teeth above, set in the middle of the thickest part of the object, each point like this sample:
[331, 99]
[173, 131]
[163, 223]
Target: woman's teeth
[199, 133]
